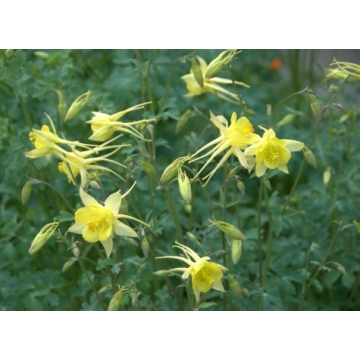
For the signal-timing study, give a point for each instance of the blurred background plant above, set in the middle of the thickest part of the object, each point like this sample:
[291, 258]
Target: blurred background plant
[309, 248]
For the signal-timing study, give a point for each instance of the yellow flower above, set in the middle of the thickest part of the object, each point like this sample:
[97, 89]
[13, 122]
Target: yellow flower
[209, 84]
[104, 125]
[78, 162]
[46, 142]
[205, 275]
[343, 70]
[232, 138]
[98, 222]
[272, 153]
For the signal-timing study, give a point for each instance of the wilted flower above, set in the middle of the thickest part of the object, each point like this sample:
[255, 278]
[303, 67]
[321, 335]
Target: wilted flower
[232, 138]
[272, 153]
[209, 83]
[205, 275]
[98, 222]
[104, 125]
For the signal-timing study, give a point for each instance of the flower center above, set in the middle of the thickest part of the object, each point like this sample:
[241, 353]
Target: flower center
[61, 167]
[102, 218]
[203, 279]
[248, 129]
[272, 155]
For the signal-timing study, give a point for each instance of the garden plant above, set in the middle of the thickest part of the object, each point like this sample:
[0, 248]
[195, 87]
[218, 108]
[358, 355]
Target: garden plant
[179, 180]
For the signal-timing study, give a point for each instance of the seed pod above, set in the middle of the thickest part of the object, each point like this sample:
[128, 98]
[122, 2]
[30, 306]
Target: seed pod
[236, 251]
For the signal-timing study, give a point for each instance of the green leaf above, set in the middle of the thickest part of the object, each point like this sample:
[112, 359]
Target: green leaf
[64, 216]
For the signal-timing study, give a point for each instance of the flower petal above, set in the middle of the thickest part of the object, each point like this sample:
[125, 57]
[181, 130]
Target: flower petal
[294, 145]
[113, 203]
[123, 230]
[108, 245]
[87, 199]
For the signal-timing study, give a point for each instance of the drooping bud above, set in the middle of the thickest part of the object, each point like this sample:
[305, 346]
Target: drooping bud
[315, 106]
[116, 300]
[310, 157]
[26, 192]
[42, 55]
[104, 289]
[192, 238]
[236, 251]
[314, 246]
[184, 186]
[241, 186]
[228, 229]
[62, 107]
[145, 247]
[183, 120]
[218, 63]
[327, 175]
[172, 169]
[77, 106]
[196, 70]
[235, 286]
[76, 251]
[42, 237]
[161, 273]
[68, 264]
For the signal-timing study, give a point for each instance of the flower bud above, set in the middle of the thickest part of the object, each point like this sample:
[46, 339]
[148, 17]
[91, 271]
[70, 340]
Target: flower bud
[148, 167]
[184, 186]
[172, 169]
[26, 192]
[145, 247]
[235, 286]
[77, 106]
[116, 300]
[192, 238]
[76, 251]
[236, 251]
[228, 229]
[68, 264]
[42, 237]
[183, 120]
[161, 273]
[42, 55]
[314, 246]
[287, 119]
[327, 175]
[62, 107]
[357, 225]
[104, 289]
[315, 106]
[196, 70]
[310, 157]
[218, 63]
[241, 186]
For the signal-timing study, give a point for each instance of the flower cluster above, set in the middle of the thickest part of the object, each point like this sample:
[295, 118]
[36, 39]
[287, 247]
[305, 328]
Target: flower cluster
[267, 152]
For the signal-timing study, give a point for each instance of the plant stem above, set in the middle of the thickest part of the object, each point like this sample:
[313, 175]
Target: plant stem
[91, 283]
[175, 215]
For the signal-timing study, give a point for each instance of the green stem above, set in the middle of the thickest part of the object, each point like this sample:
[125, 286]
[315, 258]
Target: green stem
[269, 239]
[26, 112]
[223, 238]
[91, 283]
[306, 287]
[175, 215]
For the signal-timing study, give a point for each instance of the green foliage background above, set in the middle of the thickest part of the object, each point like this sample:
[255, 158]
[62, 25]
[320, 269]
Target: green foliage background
[118, 79]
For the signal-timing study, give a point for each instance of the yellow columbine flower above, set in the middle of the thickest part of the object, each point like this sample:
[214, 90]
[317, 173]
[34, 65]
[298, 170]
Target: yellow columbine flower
[98, 222]
[205, 275]
[46, 142]
[78, 162]
[343, 70]
[272, 153]
[208, 83]
[232, 138]
[104, 125]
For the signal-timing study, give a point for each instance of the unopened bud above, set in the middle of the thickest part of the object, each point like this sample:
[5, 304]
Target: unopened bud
[245, 292]
[9, 53]
[184, 186]
[315, 106]
[235, 286]
[104, 289]
[94, 184]
[236, 251]
[42, 237]
[148, 167]
[310, 157]
[314, 246]
[161, 273]
[42, 55]
[357, 225]
[77, 106]
[196, 70]
[183, 120]
[68, 264]
[192, 238]
[62, 107]
[228, 229]
[287, 119]
[145, 247]
[250, 112]
[327, 175]
[76, 251]
[218, 63]
[241, 186]
[268, 109]
[338, 267]
[172, 169]
[116, 300]
[26, 192]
